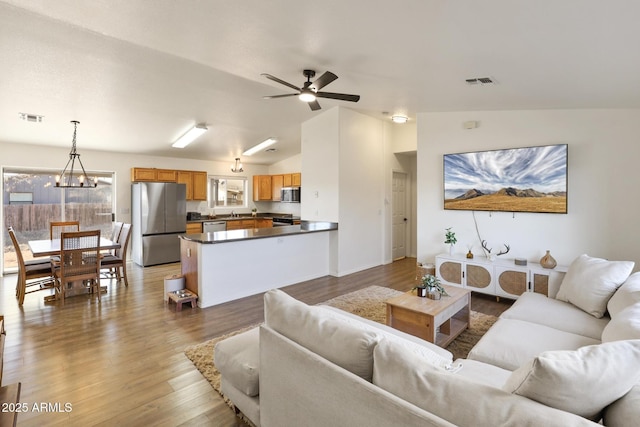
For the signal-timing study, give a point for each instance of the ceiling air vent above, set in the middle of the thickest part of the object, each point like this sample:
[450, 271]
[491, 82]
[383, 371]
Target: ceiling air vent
[34, 118]
[480, 81]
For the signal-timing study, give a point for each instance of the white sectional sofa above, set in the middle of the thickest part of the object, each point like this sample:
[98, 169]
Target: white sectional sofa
[546, 361]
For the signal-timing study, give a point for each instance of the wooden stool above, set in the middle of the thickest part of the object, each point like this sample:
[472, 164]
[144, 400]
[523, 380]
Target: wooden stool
[180, 297]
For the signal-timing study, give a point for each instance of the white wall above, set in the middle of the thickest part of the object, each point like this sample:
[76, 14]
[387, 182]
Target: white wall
[604, 148]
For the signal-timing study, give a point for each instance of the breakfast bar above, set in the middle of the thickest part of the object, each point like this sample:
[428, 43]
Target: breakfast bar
[226, 265]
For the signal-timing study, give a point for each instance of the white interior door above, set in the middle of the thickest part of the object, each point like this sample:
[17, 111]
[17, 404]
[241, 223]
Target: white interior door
[399, 216]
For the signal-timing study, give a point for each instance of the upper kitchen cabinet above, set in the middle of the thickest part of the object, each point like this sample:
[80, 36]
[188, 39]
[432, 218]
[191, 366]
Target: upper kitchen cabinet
[261, 188]
[196, 184]
[277, 182]
[152, 175]
[296, 179]
[196, 181]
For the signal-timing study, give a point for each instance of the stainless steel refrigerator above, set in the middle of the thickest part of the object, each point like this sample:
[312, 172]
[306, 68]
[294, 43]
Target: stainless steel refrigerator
[159, 216]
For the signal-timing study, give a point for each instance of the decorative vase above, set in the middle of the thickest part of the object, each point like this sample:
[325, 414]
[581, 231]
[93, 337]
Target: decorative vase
[469, 254]
[547, 261]
[421, 292]
[451, 249]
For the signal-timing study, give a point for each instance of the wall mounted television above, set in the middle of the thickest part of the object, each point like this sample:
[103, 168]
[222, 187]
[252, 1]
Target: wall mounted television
[529, 179]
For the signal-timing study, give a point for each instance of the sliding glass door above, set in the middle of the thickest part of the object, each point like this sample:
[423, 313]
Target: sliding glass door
[31, 200]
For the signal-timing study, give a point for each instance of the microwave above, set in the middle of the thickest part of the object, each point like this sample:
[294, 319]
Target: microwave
[290, 195]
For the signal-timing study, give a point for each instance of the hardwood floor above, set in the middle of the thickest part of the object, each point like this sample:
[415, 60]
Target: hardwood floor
[121, 361]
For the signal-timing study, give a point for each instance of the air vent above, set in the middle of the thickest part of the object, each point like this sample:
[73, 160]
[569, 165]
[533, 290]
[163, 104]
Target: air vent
[480, 81]
[34, 118]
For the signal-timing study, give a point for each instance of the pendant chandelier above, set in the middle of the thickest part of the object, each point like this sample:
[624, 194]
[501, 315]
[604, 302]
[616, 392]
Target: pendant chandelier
[237, 167]
[67, 179]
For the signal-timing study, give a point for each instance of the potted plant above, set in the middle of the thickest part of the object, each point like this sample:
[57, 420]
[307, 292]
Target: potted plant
[254, 212]
[450, 239]
[430, 287]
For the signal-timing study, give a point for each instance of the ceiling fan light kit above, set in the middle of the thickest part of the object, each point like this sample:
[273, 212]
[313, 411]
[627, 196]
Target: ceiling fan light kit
[310, 91]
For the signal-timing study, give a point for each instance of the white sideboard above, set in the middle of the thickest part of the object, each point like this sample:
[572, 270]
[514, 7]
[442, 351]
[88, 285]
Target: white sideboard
[501, 277]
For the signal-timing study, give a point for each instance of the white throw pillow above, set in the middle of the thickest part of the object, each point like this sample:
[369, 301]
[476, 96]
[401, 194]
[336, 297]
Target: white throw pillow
[348, 346]
[590, 283]
[582, 382]
[626, 295]
[625, 326]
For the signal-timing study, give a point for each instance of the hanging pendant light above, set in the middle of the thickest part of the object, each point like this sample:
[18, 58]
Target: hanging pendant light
[67, 179]
[237, 168]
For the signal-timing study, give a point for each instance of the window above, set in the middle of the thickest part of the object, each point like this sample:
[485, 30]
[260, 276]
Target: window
[31, 200]
[228, 192]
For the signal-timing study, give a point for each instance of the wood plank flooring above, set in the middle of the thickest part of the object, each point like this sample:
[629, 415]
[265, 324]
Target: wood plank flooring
[121, 361]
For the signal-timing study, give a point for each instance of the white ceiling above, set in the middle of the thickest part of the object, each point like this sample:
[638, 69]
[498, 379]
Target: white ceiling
[139, 73]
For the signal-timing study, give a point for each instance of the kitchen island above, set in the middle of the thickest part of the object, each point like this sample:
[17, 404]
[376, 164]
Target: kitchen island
[227, 265]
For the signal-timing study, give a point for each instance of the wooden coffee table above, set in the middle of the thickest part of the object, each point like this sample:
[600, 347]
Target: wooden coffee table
[422, 316]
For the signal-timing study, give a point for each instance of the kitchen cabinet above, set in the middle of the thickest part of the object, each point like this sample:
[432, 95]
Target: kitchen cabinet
[277, 182]
[261, 188]
[189, 264]
[296, 179]
[264, 223]
[194, 227]
[152, 175]
[196, 184]
[500, 277]
[287, 180]
[241, 224]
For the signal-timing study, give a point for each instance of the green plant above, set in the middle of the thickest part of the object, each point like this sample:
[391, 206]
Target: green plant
[432, 283]
[450, 237]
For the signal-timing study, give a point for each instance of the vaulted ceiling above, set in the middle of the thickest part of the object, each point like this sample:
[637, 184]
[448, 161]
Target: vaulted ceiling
[138, 73]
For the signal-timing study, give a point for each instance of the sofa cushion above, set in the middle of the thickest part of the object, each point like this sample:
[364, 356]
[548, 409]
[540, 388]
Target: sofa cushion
[482, 373]
[238, 360]
[625, 411]
[388, 330]
[430, 352]
[590, 283]
[458, 399]
[498, 346]
[624, 326]
[537, 308]
[626, 295]
[348, 346]
[582, 382]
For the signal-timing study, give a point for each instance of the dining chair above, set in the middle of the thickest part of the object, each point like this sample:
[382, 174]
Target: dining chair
[117, 263]
[33, 275]
[115, 233]
[58, 227]
[79, 261]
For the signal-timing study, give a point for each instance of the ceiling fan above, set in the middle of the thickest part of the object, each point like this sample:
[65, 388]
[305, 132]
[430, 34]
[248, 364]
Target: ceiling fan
[311, 90]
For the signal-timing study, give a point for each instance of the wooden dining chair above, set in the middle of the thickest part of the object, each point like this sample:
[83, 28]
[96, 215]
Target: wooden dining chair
[33, 275]
[117, 263]
[79, 261]
[58, 227]
[115, 233]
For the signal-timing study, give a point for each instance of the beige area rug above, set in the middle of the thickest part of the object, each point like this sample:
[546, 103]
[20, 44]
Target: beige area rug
[367, 303]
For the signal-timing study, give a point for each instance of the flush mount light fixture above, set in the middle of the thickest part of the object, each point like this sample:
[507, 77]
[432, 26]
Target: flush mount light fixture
[190, 136]
[237, 167]
[67, 179]
[399, 119]
[307, 95]
[264, 144]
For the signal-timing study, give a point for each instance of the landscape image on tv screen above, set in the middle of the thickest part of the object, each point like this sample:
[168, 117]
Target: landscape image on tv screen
[530, 179]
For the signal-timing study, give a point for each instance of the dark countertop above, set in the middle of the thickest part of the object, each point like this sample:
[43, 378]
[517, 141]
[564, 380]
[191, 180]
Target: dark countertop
[260, 233]
[242, 216]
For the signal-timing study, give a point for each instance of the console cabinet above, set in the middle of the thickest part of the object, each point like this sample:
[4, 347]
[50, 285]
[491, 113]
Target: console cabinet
[501, 277]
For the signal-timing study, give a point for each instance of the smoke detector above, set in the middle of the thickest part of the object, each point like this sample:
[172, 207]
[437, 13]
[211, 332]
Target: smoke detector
[480, 81]
[34, 118]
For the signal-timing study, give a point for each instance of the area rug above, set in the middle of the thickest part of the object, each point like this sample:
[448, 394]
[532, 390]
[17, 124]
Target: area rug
[367, 303]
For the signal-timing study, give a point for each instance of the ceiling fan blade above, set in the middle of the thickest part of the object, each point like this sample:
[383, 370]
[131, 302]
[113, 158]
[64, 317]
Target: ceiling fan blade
[279, 96]
[314, 105]
[282, 82]
[323, 80]
[340, 96]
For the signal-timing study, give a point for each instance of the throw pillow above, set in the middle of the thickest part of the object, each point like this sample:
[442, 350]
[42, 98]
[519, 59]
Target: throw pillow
[626, 295]
[583, 381]
[590, 283]
[348, 346]
[624, 326]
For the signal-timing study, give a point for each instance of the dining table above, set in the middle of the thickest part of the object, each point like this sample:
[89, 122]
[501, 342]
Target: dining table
[51, 247]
